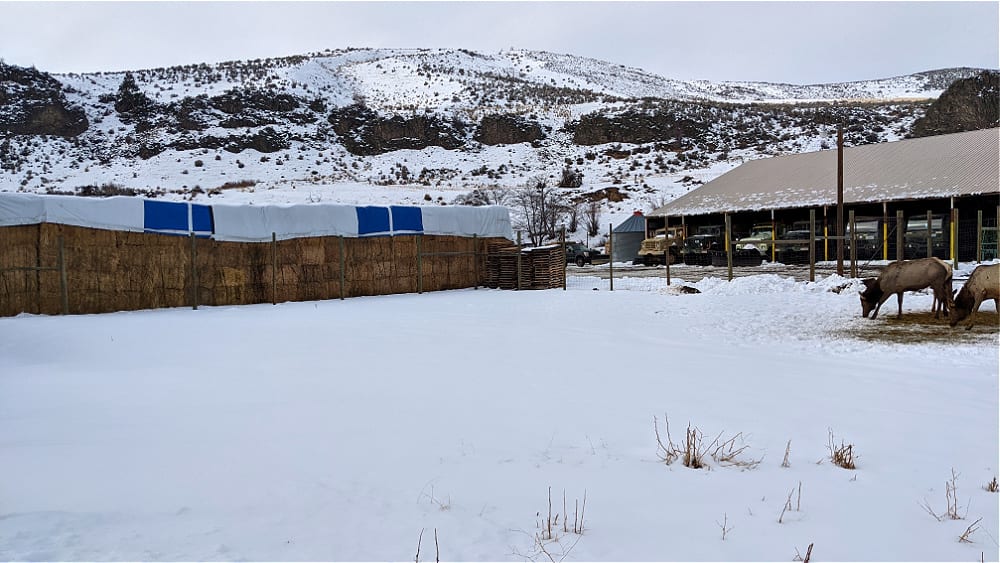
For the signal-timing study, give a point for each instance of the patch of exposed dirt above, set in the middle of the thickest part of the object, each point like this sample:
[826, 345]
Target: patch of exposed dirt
[922, 327]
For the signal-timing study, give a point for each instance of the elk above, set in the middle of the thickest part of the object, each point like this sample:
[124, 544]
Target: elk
[907, 275]
[983, 284]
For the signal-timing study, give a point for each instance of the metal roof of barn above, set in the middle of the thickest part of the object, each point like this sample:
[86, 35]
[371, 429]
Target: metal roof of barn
[941, 166]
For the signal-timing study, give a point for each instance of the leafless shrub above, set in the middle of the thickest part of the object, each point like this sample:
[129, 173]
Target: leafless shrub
[992, 486]
[843, 455]
[799, 557]
[951, 501]
[694, 451]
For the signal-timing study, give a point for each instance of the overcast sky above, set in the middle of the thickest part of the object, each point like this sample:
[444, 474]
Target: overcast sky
[793, 42]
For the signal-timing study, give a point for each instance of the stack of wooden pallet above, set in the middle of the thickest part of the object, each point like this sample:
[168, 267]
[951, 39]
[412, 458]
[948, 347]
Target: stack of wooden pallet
[541, 268]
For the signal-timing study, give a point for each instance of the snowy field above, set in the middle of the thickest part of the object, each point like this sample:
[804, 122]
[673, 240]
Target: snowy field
[353, 430]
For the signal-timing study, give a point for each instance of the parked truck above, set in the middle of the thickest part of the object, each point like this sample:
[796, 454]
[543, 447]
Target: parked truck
[664, 242]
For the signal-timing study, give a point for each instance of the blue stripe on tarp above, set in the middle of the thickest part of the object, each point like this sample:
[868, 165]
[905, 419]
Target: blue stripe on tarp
[373, 220]
[165, 216]
[201, 219]
[407, 219]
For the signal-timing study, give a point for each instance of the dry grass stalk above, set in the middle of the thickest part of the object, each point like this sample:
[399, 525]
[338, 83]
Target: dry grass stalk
[798, 556]
[964, 538]
[788, 506]
[667, 454]
[416, 558]
[798, 499]
[693, 455]
[843, 455]
[437, 550]
[725, 529]
[788, 448]
[992, 486]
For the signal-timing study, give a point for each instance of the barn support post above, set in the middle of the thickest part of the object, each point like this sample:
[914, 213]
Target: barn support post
[274, 268]
[63, 285]
[930, 234]
[812, 248]
[900, 228]
[729, 252]
[854, 244]
[774, 236]
[611, 263]
[826, 236]
[840, 199]
[954, 235]
[979, 236]
[885, 231]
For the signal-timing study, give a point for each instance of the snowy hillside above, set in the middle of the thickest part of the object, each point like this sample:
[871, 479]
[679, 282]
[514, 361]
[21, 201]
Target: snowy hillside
[421, 126]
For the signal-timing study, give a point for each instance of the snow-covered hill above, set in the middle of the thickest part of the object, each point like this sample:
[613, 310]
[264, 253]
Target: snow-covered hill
[421, 126]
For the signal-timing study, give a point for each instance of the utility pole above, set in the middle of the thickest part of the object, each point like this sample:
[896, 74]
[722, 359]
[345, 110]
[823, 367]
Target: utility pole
[840, 200]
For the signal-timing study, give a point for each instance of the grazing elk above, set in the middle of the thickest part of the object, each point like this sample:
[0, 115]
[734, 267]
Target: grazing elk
[983, 284]
[907, 275]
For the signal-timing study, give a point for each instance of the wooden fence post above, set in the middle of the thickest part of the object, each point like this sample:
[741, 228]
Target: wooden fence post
[562, 244]
[812, 247]
[63, 285]
[666, 252]
[274, 268]
[194, 273]
[420, 267]
[611, 263]
[475, 261]
[343, 261]
[519, 261]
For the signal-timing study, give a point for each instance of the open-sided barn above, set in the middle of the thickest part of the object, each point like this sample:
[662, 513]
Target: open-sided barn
[950, 181]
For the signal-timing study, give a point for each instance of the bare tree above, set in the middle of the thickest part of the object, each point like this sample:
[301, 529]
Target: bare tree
[592, 218]
[540, 209]
[573, 210]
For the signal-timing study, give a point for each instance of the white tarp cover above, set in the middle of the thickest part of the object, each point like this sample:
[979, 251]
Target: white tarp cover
[246, 223]
[486, 221]
[118, 213]
[252, 223]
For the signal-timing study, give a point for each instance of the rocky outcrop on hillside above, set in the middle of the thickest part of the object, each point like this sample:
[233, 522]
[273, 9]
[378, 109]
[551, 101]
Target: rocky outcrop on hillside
[500, 129]
[33, 103]
[967, 105]
[364, 132]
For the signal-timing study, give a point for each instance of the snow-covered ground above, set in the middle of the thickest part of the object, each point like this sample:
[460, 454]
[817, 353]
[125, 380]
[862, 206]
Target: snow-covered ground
[355, 430]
